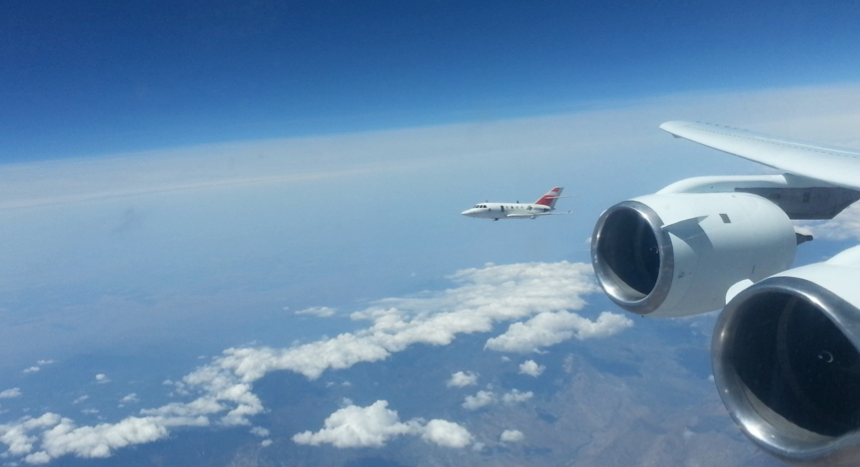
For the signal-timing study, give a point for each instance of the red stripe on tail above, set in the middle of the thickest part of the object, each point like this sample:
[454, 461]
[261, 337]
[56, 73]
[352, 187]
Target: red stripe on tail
[550, 198]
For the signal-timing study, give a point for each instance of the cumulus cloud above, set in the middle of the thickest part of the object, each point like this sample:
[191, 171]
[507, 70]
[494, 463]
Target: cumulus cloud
[353, 427]
[321, 311]
[222, 390]
[19, 436]
[511, 436]
[10, 393]
[376, 424]
[129, 399]
[531, 368]
[64, 437]
[446, 434]
[481, 399]
[461, 379]
[482, 298]
[550, 328]
[38, 366]
[485, 398]
[102, 378]
[516, 396]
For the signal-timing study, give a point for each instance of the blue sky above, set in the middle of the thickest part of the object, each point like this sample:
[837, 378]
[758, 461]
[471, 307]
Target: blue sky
[265, 243]
[100, 77]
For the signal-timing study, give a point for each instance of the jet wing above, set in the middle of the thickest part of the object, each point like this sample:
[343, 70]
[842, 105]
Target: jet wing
[834, 166]
[537, 214]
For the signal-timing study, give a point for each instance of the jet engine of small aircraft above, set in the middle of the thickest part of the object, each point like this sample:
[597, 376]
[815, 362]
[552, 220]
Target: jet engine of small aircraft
[787, 365]
[678, 254]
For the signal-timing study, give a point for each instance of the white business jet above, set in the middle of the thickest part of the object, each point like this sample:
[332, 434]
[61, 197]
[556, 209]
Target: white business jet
[495, 211]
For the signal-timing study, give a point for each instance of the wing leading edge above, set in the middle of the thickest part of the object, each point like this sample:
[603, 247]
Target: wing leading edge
[834, 166]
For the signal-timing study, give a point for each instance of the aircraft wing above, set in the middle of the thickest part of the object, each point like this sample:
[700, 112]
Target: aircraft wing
[515, 216]
[834, 166]
[556, 213]
[705, 243]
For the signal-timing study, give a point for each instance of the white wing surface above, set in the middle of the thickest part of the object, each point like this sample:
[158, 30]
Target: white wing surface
[834, 166]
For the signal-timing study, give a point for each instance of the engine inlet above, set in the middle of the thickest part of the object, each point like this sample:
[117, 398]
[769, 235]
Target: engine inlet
[629, 253]
[787, 365]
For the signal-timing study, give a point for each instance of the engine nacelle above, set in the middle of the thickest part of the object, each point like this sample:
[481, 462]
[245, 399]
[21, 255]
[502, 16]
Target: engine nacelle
[678, 254]
[786, 359]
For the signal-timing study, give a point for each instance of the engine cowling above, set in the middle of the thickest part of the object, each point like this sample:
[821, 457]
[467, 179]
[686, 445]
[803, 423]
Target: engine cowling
[786, 360]
[678, 254]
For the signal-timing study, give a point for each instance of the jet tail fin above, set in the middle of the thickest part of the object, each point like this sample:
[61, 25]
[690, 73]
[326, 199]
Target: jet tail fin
[551, 197]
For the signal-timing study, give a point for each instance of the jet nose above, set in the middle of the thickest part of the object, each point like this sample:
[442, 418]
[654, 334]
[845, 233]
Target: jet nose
[468, 212]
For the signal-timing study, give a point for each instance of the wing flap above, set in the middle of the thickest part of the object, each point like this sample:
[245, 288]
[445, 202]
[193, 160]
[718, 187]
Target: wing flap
[833, 166]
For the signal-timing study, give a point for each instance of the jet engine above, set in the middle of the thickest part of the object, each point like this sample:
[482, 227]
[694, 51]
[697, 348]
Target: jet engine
[786, 360]
[676, 254]
[786, 347]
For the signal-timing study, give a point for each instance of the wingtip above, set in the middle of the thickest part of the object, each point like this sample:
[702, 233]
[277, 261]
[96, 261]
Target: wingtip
[674, 126]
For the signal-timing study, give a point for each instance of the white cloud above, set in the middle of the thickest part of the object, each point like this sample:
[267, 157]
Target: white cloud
[80, 399]
[375, 425]
[531, 368]
[481, 399]
[38, 458]
[10, 393]
[131, 398]
[18, 436]
[516, 396]
[266, 443]
[60, 436]
[353, 427]
[321, 311]
[446, 434]
[461, 379]
[550, 328]
[511, 436]
[480, 298]
[485, 398]
[100, 440]
[483, 297]
[37, 367]
[845, 226]
[260, 431]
